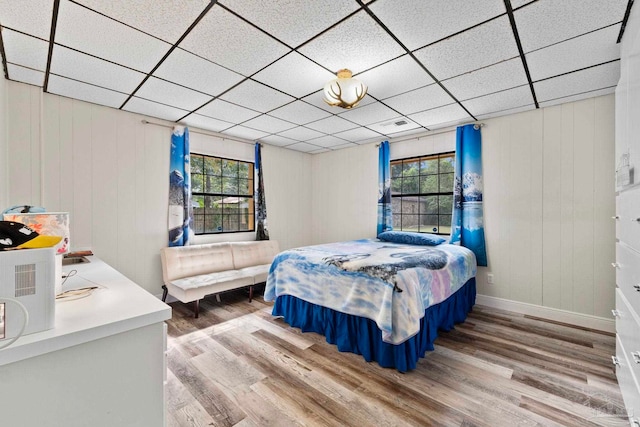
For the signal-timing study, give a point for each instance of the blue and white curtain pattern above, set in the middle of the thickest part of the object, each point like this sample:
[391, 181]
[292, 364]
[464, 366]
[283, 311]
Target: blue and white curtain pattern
[180, 208]
[385, 220]
[262, 233]
[467, 224]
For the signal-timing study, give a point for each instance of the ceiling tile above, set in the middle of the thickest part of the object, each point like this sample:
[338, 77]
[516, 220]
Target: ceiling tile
[395, 77]
[268, 124]
[304, 147]
[230, 39]
[204, 122]
[505, 75]
[85, 92]
[479, 47]
[277, 140]
[500, 101]
[294, 74]
[507, 111]
[89, 32]
[171, 94]
[338, 147]
[600, 77]
[257, 96]
[358, 44]
[572, 98]
[412, 132]
[418, 23]
[245, 133]
[358, 134]
[153, 109]
[543, 23]
[222, 110]
[166, 19]
[331, 125]
[394, 125]
[327, 141]
[24, 50]
[368, 114]
[31, 17]
[189, 70]
[519, 3]
[580, 52]
[323, 150]
[421, 99]
[25, 75]
[440, 117]
[299, 112]
[317, 99]
[296, 21]
[69, 63]
[301, 134]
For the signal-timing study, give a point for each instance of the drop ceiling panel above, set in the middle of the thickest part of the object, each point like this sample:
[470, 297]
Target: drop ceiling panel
[338, 147]
[419, 23]
[299, 112]
[222, 110]
[572, 98]
[25, 75]
[328, 141]
[507, 111]
[580, 52]
[421, 99]
[278, 140]
[256, 96]
[505, 75]
[294, 74]
[440, 117]
[245, 133]
[397, 124]
[519, 3]
[500, 101]
[394, 77]
[75, 65]
[89, 32]
[304, 147]
[25, 50]
[331, 125]
[479, 47]
[543, 23]
[85, 92]
[166, 19]
[268, 124]
[207, 123]
[301, 133]
[358, 134]
[358, 44]
[31, 17]
[189, 70]
[372, 113]
[153, 109]
[171, 94]
[299, 21]
[225, 39]
[600, 77]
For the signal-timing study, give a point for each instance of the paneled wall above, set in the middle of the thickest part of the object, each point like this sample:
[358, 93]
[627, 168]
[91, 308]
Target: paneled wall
[4, 175]
[110, 171]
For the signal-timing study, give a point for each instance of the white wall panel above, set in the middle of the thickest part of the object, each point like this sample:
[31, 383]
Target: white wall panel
[4, 175]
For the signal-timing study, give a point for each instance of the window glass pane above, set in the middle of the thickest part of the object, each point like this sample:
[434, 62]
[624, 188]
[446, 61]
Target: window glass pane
[410, 185]
[445, 205]
[428, 166]
[397, 221]
[197, 185]
[198, 224]
[229, 185]
[212, 184]
[212, 166]
[396, 185]
[230, 222]
[410, 222]
[243, 170]
[213, 224]
[429, 223]
[446, 183]
[212, 204]
[447, 164]
[445, 220]
[396, 169]
[429, 184]
[229, 168]
[197, 164]
[410, 205]
[396, 205]
[429, 204]
[243, 187]
[246, 223]
[410, 168]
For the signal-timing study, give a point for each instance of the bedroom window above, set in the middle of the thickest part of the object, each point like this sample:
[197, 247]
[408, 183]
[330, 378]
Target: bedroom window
[422, 193]
[222, 192]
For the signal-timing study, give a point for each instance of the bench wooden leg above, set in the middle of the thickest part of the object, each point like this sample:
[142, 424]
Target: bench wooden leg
[250, 293]
[196, 308]
[164, 293]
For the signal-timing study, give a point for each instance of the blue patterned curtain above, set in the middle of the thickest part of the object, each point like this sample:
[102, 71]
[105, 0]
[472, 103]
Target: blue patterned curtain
[180, 208]
[385, 221]
[467, 224]
[262, 233]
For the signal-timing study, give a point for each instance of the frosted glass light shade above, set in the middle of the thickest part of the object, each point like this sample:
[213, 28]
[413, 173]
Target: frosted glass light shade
[345, 91]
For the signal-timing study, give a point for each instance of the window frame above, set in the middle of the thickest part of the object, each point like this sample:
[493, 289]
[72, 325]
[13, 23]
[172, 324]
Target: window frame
[420, 194]
[251, 222]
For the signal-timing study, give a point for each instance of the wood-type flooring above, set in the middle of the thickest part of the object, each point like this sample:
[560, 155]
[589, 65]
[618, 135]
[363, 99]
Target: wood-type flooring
[237, 365]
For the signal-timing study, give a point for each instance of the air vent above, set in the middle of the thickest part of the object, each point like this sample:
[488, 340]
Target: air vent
[25, 280]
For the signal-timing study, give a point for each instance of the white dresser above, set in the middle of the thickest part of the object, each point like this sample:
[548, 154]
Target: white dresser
[627, 263]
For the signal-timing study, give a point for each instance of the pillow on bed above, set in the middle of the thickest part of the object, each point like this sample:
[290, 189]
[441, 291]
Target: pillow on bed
[424, 239]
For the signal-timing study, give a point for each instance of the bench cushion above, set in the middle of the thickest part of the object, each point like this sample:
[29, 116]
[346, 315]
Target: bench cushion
[188, 261]
[232, 277]
[248, 254]
[259, 273]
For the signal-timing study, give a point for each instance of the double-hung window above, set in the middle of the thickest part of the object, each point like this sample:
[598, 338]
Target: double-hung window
[422, 193]
[222, 193]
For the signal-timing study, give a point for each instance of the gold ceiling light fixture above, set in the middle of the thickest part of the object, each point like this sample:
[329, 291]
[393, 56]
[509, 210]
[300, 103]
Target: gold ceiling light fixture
[345, 91]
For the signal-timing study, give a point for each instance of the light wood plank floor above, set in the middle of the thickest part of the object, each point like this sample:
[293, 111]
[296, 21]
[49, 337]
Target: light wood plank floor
[238, 366]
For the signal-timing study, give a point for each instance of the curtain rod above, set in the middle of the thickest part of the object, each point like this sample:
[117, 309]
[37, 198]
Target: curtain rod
[207, 133]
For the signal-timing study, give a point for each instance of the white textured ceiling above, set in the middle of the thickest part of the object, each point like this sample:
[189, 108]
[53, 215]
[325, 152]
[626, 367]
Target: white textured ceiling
[255, 69]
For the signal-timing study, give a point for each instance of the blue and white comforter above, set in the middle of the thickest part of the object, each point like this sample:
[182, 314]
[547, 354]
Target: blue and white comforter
[389, 283]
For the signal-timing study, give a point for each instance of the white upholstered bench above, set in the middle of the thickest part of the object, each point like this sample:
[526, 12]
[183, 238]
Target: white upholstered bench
[192, 272]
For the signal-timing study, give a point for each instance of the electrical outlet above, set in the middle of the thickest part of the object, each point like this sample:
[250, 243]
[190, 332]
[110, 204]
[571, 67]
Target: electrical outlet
[490, 278]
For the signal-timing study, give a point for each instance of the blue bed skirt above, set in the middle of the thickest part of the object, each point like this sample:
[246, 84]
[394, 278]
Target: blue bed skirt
[359, 335]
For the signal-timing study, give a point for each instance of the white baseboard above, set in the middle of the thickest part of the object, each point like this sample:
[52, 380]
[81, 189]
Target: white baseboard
[557, 315]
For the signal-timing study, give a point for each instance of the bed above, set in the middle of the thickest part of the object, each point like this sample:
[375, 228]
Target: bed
[380, 299]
